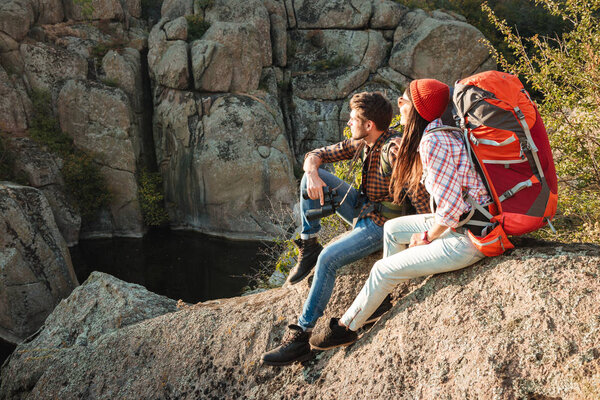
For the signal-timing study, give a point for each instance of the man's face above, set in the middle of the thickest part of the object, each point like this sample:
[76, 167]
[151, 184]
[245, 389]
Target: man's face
[357, 126]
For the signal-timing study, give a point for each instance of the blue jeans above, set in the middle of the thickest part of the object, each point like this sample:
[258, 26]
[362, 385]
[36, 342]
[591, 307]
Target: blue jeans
[364, 239]
[450, 252]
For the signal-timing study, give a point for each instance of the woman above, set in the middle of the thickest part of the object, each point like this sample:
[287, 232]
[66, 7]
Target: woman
[437, 243]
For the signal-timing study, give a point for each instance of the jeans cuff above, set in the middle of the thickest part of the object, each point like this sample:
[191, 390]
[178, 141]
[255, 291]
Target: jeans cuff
[306, 236]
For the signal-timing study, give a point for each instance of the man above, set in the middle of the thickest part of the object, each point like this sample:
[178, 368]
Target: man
[370, 117]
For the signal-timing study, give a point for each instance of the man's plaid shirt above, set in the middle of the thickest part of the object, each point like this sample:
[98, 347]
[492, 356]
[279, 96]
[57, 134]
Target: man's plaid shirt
[375, 185]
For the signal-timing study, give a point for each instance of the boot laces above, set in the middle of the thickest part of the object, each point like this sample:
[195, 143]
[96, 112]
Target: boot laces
[291, 336]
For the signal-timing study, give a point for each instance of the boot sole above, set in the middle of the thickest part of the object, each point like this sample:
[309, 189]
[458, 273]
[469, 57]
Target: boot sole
[298, 280]
[303, 358]
[306, 273]
[332, 347]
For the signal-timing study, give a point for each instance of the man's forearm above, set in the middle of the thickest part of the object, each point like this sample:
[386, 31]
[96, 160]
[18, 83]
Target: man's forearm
[312, 164]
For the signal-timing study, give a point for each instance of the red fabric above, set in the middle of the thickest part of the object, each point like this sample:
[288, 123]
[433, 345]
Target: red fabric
[430, 97]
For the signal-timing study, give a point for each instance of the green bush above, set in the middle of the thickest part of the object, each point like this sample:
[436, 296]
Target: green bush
[336, 62]
[44, 127]
[565, 71]
[81, 174]
[197, 27]
[151, 198]
[87, 9]
[85, 183]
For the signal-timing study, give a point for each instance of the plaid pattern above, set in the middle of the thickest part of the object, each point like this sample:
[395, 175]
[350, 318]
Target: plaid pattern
[375, 185]
[446, 172]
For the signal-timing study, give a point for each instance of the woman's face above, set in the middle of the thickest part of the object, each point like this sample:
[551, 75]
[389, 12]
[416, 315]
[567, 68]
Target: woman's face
[404, 105]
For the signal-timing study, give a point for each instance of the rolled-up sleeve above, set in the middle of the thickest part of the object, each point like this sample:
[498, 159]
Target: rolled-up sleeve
[343, 150]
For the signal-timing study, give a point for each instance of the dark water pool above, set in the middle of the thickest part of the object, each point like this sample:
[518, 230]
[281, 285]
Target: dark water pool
[181, 265]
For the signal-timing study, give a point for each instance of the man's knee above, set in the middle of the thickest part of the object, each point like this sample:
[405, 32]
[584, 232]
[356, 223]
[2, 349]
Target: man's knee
[329, 259]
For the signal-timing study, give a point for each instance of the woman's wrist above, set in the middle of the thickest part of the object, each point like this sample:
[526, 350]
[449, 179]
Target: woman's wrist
[425, 237]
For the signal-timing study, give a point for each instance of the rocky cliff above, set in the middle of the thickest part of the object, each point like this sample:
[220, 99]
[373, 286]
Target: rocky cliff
[223, 97]
[35, 265]
[523, 325]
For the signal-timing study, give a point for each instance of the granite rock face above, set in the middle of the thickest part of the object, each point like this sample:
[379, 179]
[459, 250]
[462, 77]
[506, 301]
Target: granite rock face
[35, 265]
[101, 122]
[218, 179]
[522, 325]
[302, 59]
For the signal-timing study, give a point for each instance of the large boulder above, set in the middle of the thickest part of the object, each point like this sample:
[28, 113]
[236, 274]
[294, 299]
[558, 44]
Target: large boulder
[124, 69]
[98, 9]
[317, 48]
[172, 9]
[101, 306]
[329, 85]
[42, 170]
[522, 325]
[316, 124]
[212, 66]
[241, 51]
[48, 66]
[35, 265]
[387, 14]
[100, 120]
[16, 17]
[438, 46]
[225, 162]
[346, 14]
[249, 12]
[15, 106]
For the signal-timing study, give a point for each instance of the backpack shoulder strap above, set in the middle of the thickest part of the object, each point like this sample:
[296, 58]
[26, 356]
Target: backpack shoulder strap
[384, 155]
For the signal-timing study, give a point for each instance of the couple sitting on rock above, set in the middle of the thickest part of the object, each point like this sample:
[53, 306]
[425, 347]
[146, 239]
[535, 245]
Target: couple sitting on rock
[439, 159]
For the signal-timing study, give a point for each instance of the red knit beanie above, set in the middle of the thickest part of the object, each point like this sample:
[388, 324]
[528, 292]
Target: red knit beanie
[430, 97]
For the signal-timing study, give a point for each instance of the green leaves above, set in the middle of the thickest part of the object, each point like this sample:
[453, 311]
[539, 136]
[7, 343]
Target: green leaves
[565, 70]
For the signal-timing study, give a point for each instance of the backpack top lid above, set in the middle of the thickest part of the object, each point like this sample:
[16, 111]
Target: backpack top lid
[499, 89]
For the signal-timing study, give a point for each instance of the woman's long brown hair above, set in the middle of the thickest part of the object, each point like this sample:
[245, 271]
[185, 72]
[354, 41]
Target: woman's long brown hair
[407, 170]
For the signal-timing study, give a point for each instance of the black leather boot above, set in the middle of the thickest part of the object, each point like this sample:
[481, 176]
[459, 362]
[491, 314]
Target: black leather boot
[293, 348]
[308, 252]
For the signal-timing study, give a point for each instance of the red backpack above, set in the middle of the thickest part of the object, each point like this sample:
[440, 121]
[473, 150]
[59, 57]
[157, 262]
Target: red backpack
[509, 148]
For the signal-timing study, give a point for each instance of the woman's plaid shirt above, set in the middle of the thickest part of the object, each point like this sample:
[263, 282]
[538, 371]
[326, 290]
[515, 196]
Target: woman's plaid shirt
[375, 185]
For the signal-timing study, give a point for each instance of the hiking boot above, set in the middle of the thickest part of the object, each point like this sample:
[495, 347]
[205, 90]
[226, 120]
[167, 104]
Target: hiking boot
[382, 309]
[293, 348]
[308, 252]
[333, 336]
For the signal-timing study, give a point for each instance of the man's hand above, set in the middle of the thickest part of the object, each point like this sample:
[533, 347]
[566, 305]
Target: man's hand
[314, 186]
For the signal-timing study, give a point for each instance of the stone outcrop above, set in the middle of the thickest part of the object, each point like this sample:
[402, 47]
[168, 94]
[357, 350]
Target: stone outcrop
[100, 121]
[35, 266]
[438, 46]
[42, 170]
[225, 160]
[523, 325]
[15, 106]
[46, 66]
[304, 58]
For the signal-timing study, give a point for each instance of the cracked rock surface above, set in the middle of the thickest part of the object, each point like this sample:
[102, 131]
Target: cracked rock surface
[522, 325]
[35, 265]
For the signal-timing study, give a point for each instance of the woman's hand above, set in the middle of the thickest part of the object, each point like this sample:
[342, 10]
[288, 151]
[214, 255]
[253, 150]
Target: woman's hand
[433, 233]
[417, 240]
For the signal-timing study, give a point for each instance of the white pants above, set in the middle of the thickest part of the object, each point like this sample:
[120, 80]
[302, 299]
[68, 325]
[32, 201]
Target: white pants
[449, 252]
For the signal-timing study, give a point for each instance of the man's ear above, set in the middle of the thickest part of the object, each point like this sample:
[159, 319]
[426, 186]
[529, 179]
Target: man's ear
[369, 125]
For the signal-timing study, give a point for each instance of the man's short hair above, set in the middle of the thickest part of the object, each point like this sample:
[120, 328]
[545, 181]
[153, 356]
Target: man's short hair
[373, 106]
